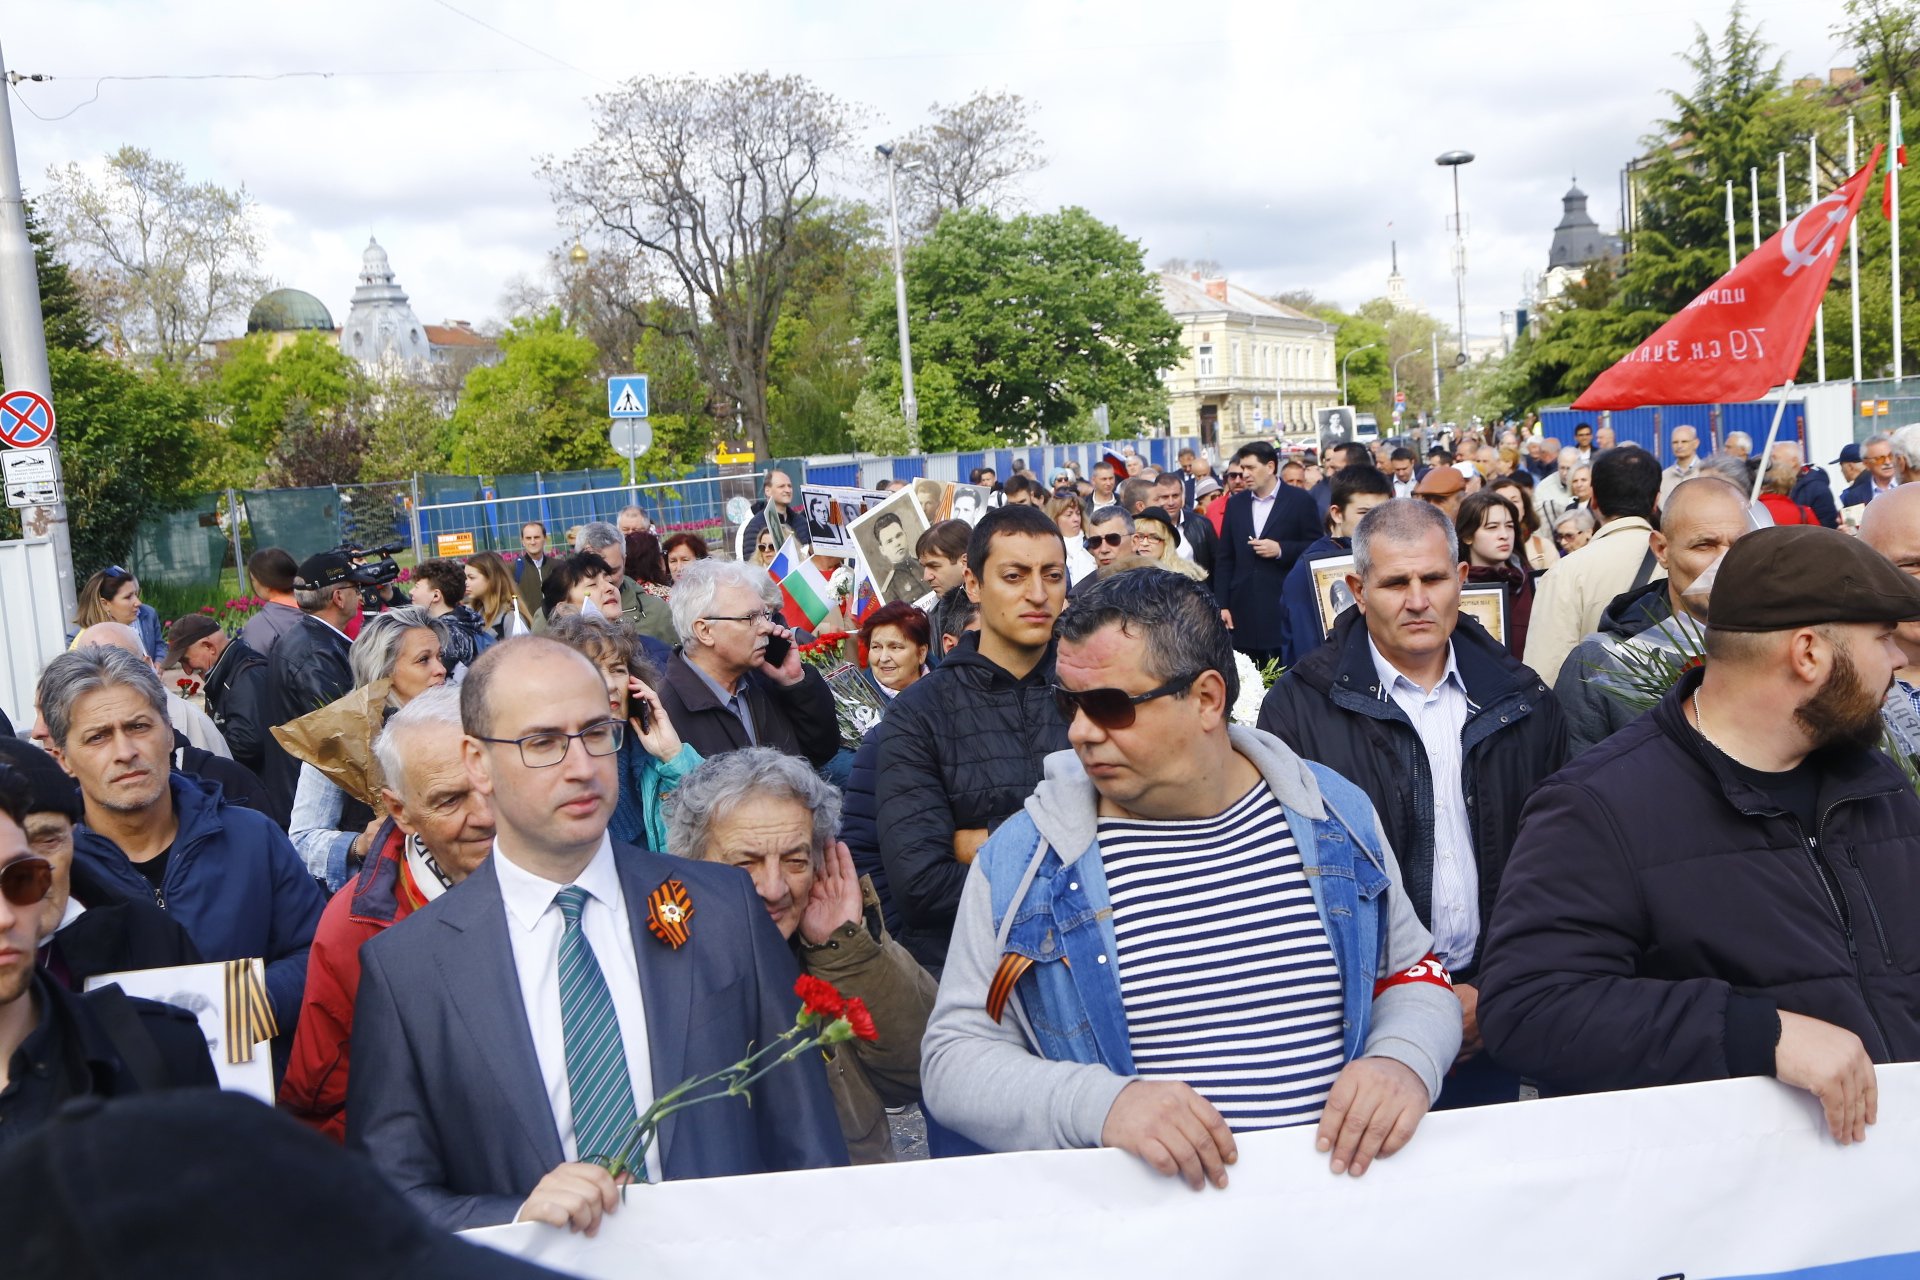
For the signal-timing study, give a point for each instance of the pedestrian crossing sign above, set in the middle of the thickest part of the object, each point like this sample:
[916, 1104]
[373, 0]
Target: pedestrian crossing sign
[627, 396]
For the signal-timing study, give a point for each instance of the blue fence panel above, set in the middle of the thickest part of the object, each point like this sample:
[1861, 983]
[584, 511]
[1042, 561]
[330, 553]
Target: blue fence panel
[909, 468]
[1636, 426]
[1754, 419]
[1002, 464]
[964, 463]
[839, 475]
[435, 489]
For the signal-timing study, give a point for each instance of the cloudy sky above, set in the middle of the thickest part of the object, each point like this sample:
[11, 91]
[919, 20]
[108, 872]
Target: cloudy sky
[1289, 141]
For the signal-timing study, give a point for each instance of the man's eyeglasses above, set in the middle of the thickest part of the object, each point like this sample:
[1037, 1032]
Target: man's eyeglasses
[1095, 540]
[1113, 708]
[751, 619]
[543, 750]
[26, 882]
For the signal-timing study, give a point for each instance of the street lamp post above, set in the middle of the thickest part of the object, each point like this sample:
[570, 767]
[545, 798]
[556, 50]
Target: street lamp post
[1453, 160]
[909, 407]
[1396, 370]
[1344, 397]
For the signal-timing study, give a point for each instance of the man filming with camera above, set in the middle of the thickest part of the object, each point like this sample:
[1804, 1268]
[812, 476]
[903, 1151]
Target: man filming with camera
[308, 667]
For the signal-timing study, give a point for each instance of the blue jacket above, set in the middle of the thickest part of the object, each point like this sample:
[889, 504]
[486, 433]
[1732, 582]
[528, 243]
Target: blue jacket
[232, 880]
[147, 623]
[638, 816]
[1038, 891]
[1304, 633]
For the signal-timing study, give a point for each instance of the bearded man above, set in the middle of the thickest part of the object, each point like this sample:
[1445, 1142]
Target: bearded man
[1722, 888]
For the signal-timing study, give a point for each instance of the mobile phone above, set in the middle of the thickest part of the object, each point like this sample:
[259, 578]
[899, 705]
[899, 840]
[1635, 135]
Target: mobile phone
[643, 712]
[777, 649]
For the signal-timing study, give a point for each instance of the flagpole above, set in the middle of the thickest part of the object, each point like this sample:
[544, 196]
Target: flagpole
[1733, 233]
[1780, 183]
[1853, 259]
[1820, 314]
[1766, 454]
[1893, 185]
[1753, 195]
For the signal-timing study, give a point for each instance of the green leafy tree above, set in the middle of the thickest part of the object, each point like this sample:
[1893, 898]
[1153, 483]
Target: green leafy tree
[1036, 318]
[541, 408]
[818, 364]
[948, 419]
[406, 432]
[258, 384]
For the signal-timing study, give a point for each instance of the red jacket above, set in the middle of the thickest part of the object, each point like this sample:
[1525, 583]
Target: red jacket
[1786, 511]
[382, 895]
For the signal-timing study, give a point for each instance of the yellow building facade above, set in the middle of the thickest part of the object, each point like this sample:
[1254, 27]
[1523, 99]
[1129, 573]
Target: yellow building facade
[1254, 368]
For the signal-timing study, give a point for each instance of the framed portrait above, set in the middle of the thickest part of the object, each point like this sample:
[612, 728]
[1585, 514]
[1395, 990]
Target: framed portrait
[830, 511]
[934, 497]
[883, 543]
[1330, 589]
[208, 992]
[1487, 605]
[969, 502]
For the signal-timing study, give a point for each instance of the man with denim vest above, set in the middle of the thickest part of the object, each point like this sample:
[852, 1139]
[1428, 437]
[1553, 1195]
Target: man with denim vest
[1188, 932]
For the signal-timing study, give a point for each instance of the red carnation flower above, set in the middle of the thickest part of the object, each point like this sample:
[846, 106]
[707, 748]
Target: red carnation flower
[206, 608]
[862, 1022]
[819, 996]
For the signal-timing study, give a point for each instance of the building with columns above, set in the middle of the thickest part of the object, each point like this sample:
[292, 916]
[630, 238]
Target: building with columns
[1253, 369]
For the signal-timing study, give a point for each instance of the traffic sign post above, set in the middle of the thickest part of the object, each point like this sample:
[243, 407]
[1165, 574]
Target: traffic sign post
[630, 437]
[31, 477]
[627, 396]
[26, 419]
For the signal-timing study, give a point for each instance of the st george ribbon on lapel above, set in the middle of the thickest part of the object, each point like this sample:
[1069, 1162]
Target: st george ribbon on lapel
[598, 1087]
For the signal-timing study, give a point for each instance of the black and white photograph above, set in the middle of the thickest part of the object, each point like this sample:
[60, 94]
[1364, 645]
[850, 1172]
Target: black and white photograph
[968, 502]
[933, 497]
[883, 541]
[1330, 589]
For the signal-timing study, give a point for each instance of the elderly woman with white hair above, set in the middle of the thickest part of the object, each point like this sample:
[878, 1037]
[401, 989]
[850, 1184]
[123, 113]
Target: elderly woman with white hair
[337, 803]
[768, 814]
[737, 680]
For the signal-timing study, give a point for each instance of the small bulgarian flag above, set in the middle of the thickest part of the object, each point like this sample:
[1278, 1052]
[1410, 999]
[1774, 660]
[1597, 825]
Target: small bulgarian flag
[806, 590]
[1896, 160]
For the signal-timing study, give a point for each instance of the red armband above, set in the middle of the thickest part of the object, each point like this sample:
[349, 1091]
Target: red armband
[1429, 970]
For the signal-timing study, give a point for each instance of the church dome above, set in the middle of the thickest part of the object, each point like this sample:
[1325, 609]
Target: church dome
[288, 310]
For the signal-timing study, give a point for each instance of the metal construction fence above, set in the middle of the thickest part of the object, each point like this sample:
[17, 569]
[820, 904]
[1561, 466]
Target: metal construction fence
[183, 554]
[1651, 427]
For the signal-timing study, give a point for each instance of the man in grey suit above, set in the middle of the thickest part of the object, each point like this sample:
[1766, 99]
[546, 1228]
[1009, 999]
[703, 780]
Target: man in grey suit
[517, 1026]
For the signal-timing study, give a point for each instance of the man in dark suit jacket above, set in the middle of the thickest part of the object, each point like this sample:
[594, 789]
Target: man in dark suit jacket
[1251, 561]
[536, 562]
[719, 690]
[482, 1087]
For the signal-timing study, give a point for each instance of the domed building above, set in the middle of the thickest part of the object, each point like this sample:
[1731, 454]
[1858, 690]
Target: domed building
[381, 328]
[289, 311]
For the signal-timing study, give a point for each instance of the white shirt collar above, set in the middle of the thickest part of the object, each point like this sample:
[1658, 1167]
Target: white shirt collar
[527, 896]
[1390, 675]
[67, 917]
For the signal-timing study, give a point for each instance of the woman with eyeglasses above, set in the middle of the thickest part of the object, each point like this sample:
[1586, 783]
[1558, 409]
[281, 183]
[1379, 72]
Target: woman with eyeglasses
[1155, 538]
[337, 803]
[653, 760]
[113, 595]
[763, 549]
[1488, 527]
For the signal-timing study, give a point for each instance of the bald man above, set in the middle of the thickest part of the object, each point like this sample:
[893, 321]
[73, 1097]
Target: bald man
[1891, 526]
[1702, 518]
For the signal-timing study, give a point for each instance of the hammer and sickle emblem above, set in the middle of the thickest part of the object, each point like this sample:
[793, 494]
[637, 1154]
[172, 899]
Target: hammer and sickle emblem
[1825, 235]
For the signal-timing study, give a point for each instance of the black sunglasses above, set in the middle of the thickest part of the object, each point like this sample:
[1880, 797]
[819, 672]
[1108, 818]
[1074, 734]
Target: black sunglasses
[1113, 708]
[1093, 540]
[25, 882]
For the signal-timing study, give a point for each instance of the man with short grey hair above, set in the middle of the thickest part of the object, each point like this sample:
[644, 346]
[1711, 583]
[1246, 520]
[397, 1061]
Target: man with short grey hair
[633, 519]
[438, 829]
[770, 815]
[193, 724]
[1685, 442]
[227, 874]
[1554, 495]
[1108, 535]
[1739, 444]
[1882, 474]
[1441, 726]
[720, 691]
[645, 612]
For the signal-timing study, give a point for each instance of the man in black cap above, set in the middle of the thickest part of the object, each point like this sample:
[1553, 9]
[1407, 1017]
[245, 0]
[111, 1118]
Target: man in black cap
[235, 679]
[55, 1045]
[1724, 887]
[308, 667]
[86, 929]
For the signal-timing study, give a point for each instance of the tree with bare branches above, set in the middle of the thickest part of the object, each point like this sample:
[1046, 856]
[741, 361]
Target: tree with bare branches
[161, 259]
[709, 183]
[971, 154]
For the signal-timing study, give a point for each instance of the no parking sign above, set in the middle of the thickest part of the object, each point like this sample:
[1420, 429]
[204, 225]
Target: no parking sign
[26, 419]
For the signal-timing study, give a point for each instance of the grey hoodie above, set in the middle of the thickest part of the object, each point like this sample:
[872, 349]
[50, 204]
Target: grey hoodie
[984, 1079]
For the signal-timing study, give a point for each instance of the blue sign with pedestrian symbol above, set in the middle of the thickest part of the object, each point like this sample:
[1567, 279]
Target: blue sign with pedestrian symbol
[627, 396]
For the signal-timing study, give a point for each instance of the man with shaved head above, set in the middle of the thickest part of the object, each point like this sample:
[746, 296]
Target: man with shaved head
[485, 1110]
[1703, 517]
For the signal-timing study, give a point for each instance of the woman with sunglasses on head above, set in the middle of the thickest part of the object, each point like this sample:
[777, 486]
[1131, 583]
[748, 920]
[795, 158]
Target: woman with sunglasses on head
[67, 1029]
[113, 595]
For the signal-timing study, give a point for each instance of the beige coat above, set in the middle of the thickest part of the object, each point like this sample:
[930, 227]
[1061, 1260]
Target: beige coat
[868, 1077]
[1573, 594]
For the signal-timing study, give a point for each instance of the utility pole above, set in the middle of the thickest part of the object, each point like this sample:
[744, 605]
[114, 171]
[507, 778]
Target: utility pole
[23, 337]
[909, 407]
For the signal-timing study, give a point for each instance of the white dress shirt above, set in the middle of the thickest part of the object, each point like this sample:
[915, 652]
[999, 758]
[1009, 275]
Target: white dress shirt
[1439, 717]
[534, 926]
[1262, 508]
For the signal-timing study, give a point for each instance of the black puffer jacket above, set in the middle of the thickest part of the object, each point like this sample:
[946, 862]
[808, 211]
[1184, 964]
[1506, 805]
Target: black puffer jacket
[962, 747]
[307, 670]
[237, 699]
[1331, 709]
[1658, 911]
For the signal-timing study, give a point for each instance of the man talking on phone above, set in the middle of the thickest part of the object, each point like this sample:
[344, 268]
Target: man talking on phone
[737, 681]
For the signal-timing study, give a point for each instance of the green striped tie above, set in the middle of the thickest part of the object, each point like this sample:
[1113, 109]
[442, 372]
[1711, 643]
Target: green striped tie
[597, 1083]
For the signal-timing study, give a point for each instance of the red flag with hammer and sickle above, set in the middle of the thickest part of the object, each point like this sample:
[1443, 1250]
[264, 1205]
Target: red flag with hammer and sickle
[1744, 335]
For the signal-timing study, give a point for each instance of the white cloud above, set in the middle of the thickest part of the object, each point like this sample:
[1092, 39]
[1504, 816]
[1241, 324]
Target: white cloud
[1278, 138]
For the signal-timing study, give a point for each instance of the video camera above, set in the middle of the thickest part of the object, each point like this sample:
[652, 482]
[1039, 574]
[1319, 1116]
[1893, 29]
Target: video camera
[374, 569]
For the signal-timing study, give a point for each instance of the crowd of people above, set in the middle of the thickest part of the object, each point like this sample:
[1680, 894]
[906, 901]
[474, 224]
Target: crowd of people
[1569, 772]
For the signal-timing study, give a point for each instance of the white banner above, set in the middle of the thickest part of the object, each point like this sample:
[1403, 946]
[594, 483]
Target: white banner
[1735, 1179]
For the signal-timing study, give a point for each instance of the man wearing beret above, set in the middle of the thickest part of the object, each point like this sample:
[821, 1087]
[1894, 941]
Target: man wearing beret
[1725, 887]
